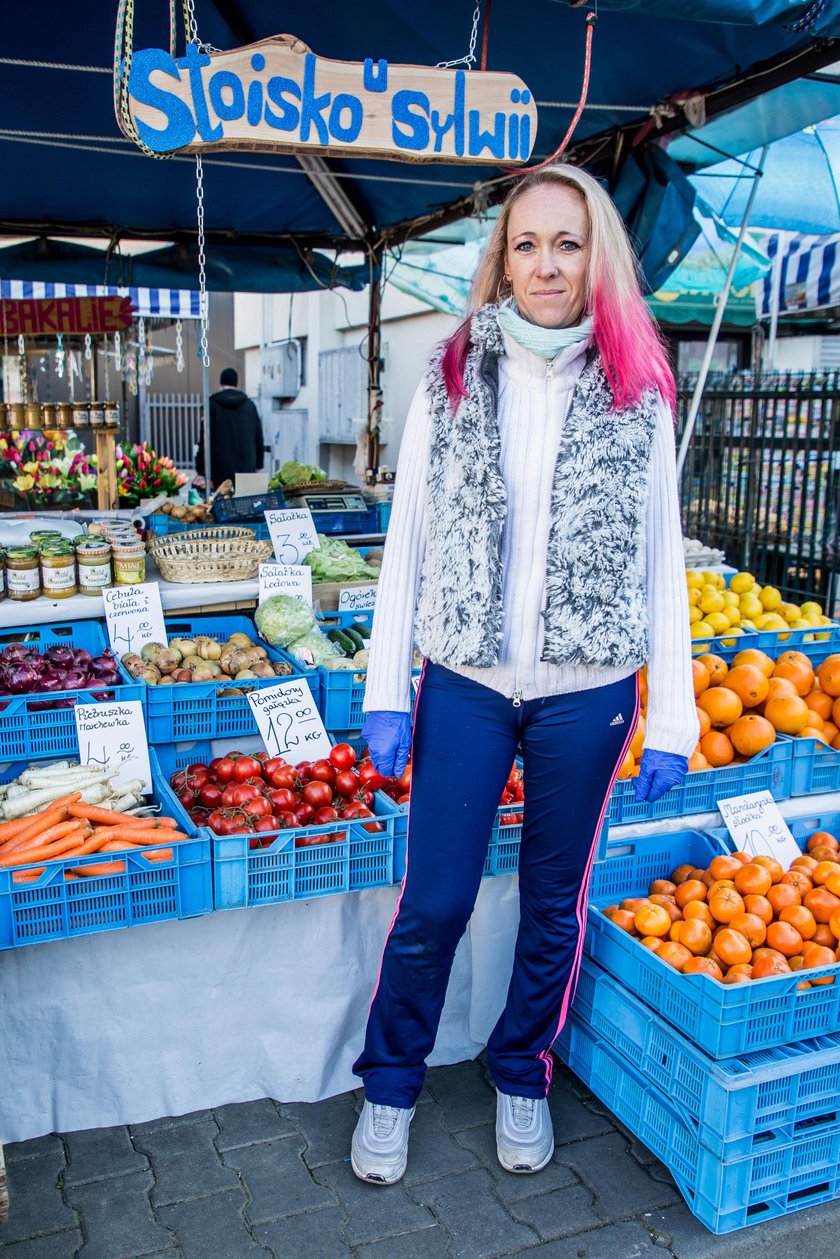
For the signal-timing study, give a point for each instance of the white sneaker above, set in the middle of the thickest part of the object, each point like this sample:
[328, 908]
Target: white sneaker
[379, 1152]
[524, 1133]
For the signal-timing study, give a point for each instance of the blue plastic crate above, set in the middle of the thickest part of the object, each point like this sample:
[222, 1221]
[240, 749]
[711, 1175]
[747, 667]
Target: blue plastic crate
[815, 767]
[741, 1104]
[42, 723]
[816, 644]
[54, 908]
[163, 526]
[723, 1194]
[243, 876]
[721, 1019]
[353, 522]
[196, 710]
[384, 513]
[247, 508]
[701, 789]
[725, 645]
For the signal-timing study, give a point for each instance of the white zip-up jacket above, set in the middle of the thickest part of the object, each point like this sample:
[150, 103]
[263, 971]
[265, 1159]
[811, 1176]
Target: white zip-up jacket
[534, 397]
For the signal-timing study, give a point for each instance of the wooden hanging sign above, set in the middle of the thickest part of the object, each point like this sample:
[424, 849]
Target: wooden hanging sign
[278, 96]
[52, 315]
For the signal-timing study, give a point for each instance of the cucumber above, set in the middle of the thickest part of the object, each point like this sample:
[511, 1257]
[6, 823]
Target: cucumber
[361, 628]
[355, 636]
[346, 643]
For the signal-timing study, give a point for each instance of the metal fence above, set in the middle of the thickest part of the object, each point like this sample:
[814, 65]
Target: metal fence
[762, 477]
[172, 423]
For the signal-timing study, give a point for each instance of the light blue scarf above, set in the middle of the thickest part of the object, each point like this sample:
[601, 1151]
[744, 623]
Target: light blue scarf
[547, 342]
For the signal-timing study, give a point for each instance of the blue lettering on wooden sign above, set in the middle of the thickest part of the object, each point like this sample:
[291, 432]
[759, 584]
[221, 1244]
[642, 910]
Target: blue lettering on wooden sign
[312, 106]
[349, 131]
[403, 114]
[193, 63]
[226, 95]
[180, 125]
[493, 140]
[289, 117]
[377, 82]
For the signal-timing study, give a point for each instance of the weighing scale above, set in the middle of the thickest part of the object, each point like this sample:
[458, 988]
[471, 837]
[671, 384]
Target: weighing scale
[319, 504]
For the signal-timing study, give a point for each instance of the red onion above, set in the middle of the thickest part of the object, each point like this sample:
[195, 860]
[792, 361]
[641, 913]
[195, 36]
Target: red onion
[81, 659]
[103, 664]
[74, 679]
[23, 679]
[62, 657]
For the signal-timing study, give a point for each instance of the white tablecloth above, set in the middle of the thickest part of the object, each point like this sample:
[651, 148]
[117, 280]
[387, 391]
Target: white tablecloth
[125, 1026]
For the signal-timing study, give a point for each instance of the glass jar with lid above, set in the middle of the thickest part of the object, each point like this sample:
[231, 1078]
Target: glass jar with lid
[81, 415]
[4, 417]
[93, 560]
[32, 417]
[129, 561]
[2, 574]
[112, 415]
[49, 415]
[64, 415]
[16, 416]
[97, 414]
[23, 573]
[58, 571]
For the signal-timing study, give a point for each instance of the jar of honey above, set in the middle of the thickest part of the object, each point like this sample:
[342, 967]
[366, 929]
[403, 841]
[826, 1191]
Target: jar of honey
[23, 573]
[112, 415]
[97, 414]
[32, 416]
[93, 560]
[81, 415]
[64, 415]
[16, 416]
[58, 572]
[129, 562]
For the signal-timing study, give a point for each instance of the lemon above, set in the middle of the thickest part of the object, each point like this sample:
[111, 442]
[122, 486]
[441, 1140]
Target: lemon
[718, 621]
[694, 579]
[730, 598]
[694, 615]
[730, 642]
[756, 589]
[710, 603]
[702, 629]
[771, 621]
[693, 598]
[770, 598]
[733, 615]
[811, 609]
[750, 607]
[788, 611]
[747, 624]
[742, 583]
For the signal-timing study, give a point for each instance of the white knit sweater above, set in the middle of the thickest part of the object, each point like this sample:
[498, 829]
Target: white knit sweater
[533, 401]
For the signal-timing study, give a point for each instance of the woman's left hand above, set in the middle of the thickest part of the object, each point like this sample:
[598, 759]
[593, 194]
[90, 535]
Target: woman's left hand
[658, 773]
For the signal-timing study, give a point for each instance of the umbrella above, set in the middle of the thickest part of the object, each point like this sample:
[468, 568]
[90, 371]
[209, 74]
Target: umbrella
[799, 188]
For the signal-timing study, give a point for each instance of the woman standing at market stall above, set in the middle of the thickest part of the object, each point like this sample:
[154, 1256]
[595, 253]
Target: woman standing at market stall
[534, 554]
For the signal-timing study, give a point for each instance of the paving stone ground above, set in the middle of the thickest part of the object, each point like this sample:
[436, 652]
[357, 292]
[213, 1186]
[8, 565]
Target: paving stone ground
[263, 1180]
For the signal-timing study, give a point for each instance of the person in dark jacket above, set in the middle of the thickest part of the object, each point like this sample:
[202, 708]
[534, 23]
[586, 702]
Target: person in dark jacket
[236, 437]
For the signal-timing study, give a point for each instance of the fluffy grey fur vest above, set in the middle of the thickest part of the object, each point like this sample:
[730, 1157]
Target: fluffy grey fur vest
[596, 610]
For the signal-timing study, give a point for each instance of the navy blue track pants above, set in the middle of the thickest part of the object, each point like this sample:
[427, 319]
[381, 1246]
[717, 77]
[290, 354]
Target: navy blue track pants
[465, 739]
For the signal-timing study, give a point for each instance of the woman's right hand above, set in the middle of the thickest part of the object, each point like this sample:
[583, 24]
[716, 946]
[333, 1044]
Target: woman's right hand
[388, 736]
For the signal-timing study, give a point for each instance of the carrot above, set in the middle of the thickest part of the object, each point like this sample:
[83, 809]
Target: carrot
[38, 824]
[46, 837]
[107, 817]
[36, 854]
[160, 854]
[136, 835]
[28, 876]
[100, 868]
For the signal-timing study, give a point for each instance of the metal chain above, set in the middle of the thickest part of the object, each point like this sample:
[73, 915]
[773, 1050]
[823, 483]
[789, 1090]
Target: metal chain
[60, 357]
[192, 29]
[179, 346]
[88, 344]
[204, 353]
[24, 374]
[107, 357]
[118, 363]
[469, 59]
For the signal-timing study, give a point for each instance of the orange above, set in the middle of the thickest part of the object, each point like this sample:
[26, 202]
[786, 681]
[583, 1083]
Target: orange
[664, 887]
[704, 720]
[751, 928]
[627, 766]
[816, 956]
[652, 920]
[834, 924]
[741, 970]
[748, 683]
[751, 734]
[638, 739]
[800, 918]
[702, 966]
[797, 878]
[782, 895]
[770, 863]
[732, 947]
[634, 903]
[716, 748]
[698, 910]
[760, 906]
[832, 883]
[780, 688]
[815, 721]
[828, 674]
[825, 868]
[789, 714]
[724, 904]
[821, 903]
[759, 659]
[691, 890]
[652, 942]
[700, 675]
[674, 954]
[717, 667]
[724, 867]
[784, 938]
[819, 703]
[830, 731]
[624, 919]
[806, 863]
[795, 670]
[822, 839]
[696, 936]
[682, 873]
[753, 880]
[835, 709]
[697, 761]
[723, 707]
[823, 935]
[766, 966]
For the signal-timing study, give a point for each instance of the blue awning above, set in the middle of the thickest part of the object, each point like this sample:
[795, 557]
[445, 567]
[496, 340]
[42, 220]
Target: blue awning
[148, 302]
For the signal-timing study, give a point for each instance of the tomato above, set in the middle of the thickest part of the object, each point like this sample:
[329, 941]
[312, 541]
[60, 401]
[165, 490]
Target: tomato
[342, 757]
[404, 782]
[519, 791]
[210, 796]
[237, 794]
[262, 757]
[246, 767]
[324, 815]
[351, 811]
[283, 798]
[373, 827]
[309, 840]
[304, 813]
[304, 770]
[323, 772]
[178, 781]
[365, 796]
[289, 821]
[268, 823]
[196, 778]
[317, 793]
[271, 764]
[187, 798]
[507, 797]
[371, 776]
[403, 799]
[346, 782]
[198, 815]
[285, 777]
[196, 767]
[225, 768]
[259, 807]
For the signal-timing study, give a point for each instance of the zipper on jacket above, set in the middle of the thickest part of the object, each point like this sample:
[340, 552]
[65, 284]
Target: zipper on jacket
[517, 699]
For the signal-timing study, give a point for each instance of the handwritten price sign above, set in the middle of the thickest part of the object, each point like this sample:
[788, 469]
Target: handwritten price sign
[289, 723]
[293, 533]
[114, 735]
[134, 616]
[286, 579]
[757, 826]
[356, 598]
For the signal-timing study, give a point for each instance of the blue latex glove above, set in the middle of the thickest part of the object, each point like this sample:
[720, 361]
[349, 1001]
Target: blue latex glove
[658, 773]
[388, 736]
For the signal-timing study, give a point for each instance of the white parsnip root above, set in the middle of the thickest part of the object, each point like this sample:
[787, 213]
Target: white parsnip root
[39, 785]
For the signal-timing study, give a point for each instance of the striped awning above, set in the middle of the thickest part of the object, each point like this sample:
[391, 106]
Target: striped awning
[809, 273]
[148, 302]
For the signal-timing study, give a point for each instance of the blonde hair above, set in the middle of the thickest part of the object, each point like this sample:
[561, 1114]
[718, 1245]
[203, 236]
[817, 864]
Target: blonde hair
[632, 350]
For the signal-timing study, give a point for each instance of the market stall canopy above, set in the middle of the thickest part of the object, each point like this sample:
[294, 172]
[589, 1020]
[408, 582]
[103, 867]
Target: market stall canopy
[655, 67]
[809, 274]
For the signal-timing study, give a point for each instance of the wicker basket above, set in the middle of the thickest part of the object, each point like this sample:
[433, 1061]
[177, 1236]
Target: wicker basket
[188, 560]
[314, 487]
[210, 533]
